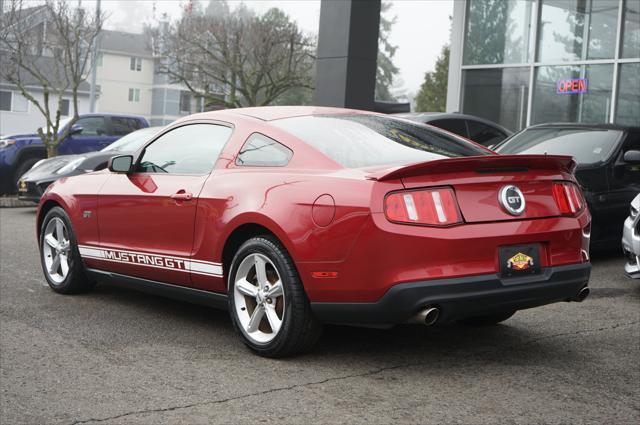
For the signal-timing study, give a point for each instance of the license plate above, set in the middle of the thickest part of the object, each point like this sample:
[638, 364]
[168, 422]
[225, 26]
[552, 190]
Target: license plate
[22, 186]
[519, 260]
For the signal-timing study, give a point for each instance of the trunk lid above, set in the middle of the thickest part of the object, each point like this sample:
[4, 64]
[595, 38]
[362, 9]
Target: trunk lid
[478, 181]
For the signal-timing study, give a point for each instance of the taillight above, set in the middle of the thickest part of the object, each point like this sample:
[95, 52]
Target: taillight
[432, 207]
[568, 198]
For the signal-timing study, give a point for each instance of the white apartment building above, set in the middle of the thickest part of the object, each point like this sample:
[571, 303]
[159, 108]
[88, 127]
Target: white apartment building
[126, 82]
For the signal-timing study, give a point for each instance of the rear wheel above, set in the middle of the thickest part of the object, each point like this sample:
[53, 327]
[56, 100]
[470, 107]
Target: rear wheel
[59, 254]
[267, 302]
[489, 320]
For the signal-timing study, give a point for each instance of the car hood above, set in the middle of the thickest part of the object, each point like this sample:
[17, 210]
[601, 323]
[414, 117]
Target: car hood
[20, 136]
[47, 169]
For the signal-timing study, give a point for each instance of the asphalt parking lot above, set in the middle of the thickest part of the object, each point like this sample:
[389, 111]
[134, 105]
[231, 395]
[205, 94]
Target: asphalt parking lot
[118, 356]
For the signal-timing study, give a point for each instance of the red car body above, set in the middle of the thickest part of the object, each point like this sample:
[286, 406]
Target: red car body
[357, 266]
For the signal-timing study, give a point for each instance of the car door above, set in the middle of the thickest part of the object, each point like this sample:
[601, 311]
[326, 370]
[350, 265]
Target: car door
[146, 218]
[92, 135]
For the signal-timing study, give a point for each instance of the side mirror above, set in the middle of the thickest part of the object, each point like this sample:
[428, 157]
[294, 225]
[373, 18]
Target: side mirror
[76, 129]
[120, 164]
[632, 157]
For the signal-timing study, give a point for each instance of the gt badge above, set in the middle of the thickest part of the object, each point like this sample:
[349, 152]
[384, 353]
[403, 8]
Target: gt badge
[520, 261]
[512, 199]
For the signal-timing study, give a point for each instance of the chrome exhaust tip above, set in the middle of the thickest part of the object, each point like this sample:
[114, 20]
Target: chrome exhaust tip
[582, 295]
[426, 317]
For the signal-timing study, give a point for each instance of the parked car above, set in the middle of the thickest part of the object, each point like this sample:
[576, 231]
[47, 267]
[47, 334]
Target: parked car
[292, 217]
[480, 130]
[34, 182]
[631, 239]
[92, 132]
[608, 158]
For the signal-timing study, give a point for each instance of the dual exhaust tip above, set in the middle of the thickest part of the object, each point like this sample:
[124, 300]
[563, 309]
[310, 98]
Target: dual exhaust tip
[582, 295]
[428, 316]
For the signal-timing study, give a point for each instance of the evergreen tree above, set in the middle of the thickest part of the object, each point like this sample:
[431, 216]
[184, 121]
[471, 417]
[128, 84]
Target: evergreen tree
[432, 96]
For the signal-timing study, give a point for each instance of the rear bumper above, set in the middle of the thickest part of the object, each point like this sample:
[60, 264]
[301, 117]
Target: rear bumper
[461, 297]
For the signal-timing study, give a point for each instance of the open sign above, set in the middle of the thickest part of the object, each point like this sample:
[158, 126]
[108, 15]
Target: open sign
[572, 86]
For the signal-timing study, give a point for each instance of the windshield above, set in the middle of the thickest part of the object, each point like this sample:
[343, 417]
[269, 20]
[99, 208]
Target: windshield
[63, 123]
[586, 145]
[356, 141]
[132, 141]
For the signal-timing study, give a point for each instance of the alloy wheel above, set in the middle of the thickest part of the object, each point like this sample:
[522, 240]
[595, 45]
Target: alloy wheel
[259, 298]
[56, 250]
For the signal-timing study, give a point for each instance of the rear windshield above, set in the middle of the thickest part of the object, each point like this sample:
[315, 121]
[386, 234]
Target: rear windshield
[586, 145]
[356, 141]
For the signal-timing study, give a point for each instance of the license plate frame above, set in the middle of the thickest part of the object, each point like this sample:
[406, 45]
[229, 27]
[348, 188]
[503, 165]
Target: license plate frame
[519, 260]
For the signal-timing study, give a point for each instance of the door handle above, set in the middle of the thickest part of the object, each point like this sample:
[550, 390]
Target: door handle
[182, 195]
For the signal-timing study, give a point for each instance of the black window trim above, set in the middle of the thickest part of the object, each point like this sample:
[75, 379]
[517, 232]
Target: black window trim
[264, 165]
[137, 156]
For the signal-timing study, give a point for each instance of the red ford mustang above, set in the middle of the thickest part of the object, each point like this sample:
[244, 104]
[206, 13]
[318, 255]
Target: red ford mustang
[297, 216]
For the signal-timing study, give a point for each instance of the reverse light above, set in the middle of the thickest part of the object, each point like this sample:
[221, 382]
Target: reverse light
[430, 207]
[568, 198]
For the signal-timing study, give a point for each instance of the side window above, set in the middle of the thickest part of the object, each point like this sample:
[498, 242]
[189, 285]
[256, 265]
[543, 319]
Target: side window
[190, 149]
[262, 151]
[632, 143]
[92, 126]
[121, 126]
[483, 134]
[455, 126]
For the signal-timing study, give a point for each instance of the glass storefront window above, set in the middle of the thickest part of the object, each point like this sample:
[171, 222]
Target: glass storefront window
[631, 30]
[628, 106]
[571, 30]
[499, 95]
[497, 31]
[550, 105]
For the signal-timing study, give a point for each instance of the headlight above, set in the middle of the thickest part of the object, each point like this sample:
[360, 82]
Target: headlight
[633, 212]
[6, 142]
[70, 166]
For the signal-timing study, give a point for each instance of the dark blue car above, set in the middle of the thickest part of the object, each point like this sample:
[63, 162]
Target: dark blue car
[91, 132]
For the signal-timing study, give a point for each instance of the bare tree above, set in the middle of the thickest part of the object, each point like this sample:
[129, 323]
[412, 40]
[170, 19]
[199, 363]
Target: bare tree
[238, 58]
[47, 47]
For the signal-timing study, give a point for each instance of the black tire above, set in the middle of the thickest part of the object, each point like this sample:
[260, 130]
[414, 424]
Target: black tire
[489, 320]
[300, 330]
[76, 280]
[23, 167]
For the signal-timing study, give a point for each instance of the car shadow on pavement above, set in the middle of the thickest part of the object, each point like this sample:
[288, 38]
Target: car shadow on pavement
[403, 343]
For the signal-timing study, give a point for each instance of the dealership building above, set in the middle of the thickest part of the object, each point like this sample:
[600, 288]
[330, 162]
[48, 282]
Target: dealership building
[524, 62]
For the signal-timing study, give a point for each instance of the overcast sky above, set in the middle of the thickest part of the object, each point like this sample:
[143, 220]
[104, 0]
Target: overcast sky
[421, 29]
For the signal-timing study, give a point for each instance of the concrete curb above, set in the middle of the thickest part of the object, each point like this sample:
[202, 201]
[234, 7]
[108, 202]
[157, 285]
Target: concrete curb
[14, 202]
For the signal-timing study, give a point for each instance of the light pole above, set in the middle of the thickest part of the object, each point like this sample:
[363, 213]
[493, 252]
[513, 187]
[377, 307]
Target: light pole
[94, 64]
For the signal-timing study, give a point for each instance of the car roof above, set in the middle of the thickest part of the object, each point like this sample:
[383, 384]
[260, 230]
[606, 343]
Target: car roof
[604, 126]
[109, 114]
[271, 113]
[426, 117]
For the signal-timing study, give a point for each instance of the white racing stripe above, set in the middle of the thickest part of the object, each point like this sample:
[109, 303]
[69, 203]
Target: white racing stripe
[146, 259]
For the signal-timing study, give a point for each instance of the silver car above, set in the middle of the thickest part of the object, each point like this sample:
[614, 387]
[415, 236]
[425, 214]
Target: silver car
[631, 240]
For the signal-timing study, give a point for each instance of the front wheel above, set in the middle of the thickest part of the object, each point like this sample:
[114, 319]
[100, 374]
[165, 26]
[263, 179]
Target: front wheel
[267, 302]
[59, 254]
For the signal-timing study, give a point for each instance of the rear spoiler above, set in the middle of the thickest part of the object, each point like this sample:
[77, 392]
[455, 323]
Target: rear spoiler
[481, 164]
